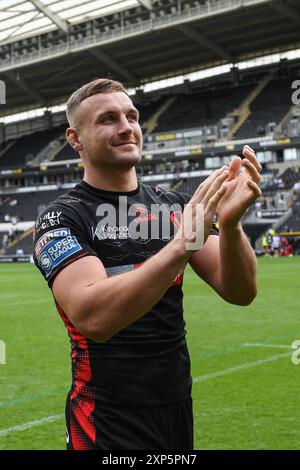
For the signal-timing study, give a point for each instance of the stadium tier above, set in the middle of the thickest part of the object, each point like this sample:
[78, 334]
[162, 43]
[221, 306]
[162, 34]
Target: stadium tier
[189, 185]
[211, 112]
[66, 153]
[16, 243]
[283, 182]
[147, 110]
[293, 222]
[178, 155]
[190, 129]
[269, 107]
[26, 206]
[278, 194]
[22, 151]
[202, 108]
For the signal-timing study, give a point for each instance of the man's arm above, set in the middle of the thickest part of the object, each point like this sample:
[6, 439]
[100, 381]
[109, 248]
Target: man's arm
[228, 264]
[100, 307]
[238, 266]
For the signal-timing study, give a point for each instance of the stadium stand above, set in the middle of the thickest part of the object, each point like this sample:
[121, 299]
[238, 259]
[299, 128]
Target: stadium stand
[189, 185]
[283, 181]
[190, 128]
[26, 206]
[66, 152]
[202, 108]
[269, 106]
[21, 244]
[25, 149]
[147, 110]
[293, 222]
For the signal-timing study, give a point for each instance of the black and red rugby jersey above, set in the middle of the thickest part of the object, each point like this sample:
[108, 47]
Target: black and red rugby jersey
[147, 363]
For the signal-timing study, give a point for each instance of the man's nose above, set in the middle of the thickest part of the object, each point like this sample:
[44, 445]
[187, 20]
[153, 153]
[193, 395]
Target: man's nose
[125, 126]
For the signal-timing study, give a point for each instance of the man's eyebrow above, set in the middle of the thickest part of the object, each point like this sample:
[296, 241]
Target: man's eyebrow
[113, 110]
[133, 109]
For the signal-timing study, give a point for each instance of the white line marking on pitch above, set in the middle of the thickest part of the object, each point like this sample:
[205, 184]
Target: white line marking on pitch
[30, 424]
[201, 378]
[27, 302]
[263, 345]
[220, 373]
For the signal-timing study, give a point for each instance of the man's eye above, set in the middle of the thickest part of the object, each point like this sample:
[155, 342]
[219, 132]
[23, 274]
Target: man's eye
[108, 118]
[132, 117]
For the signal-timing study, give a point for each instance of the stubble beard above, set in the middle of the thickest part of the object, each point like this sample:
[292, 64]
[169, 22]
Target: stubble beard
[114, 162]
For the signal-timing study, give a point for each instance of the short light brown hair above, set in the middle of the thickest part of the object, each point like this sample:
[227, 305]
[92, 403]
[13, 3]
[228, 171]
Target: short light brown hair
[100, 85]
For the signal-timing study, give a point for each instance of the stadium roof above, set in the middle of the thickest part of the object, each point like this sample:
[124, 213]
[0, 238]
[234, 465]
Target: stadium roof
[21, 18]
[139, 46]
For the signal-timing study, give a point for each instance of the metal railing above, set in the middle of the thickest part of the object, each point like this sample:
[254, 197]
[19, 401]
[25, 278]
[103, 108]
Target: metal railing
[212, 7]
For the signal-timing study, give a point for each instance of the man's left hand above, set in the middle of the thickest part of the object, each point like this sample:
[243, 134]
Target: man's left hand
[241, 188]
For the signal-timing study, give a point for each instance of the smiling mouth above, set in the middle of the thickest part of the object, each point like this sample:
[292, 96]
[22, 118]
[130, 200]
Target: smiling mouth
[125, 143]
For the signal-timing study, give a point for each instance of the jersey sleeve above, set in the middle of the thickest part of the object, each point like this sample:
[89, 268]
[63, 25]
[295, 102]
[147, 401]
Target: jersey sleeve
[185, 197]
[60, 238]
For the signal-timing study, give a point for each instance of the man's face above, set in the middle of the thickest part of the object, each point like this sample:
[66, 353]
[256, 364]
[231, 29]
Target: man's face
[107, 127]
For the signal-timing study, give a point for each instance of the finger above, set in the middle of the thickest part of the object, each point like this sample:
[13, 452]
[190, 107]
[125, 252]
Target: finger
[255, 188]
[249, 153]
[208, 180]
[214, 200]
[234, 167]
[251, 170]
[206, 183]
[208, 190]
[213, 188]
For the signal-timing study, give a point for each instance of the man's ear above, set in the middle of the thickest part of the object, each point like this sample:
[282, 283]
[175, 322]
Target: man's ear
[72, 138]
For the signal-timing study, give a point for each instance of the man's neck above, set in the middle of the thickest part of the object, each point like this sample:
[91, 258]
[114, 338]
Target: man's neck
[112, 181]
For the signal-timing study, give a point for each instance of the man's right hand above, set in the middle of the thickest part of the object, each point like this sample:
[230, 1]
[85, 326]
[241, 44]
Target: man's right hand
[197, 217]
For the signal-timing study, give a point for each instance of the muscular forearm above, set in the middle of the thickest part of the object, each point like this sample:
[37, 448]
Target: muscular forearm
[237, 266]
[118, 301]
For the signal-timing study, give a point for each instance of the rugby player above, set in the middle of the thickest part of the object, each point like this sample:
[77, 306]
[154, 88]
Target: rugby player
[120, 295]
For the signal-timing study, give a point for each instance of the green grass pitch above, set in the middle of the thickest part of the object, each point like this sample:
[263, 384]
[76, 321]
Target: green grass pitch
[245, 396]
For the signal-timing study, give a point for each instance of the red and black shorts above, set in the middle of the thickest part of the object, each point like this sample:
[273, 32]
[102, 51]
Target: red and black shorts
[94, 426]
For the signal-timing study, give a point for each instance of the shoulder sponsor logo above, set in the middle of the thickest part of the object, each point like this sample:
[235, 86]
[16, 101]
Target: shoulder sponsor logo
[52, 215]
[47, 237]
[48, 220]
[54, 247]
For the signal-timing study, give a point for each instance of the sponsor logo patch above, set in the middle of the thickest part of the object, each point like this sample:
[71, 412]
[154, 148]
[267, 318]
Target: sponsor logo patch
[49, 220]
[54, 247]
[47, 237]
